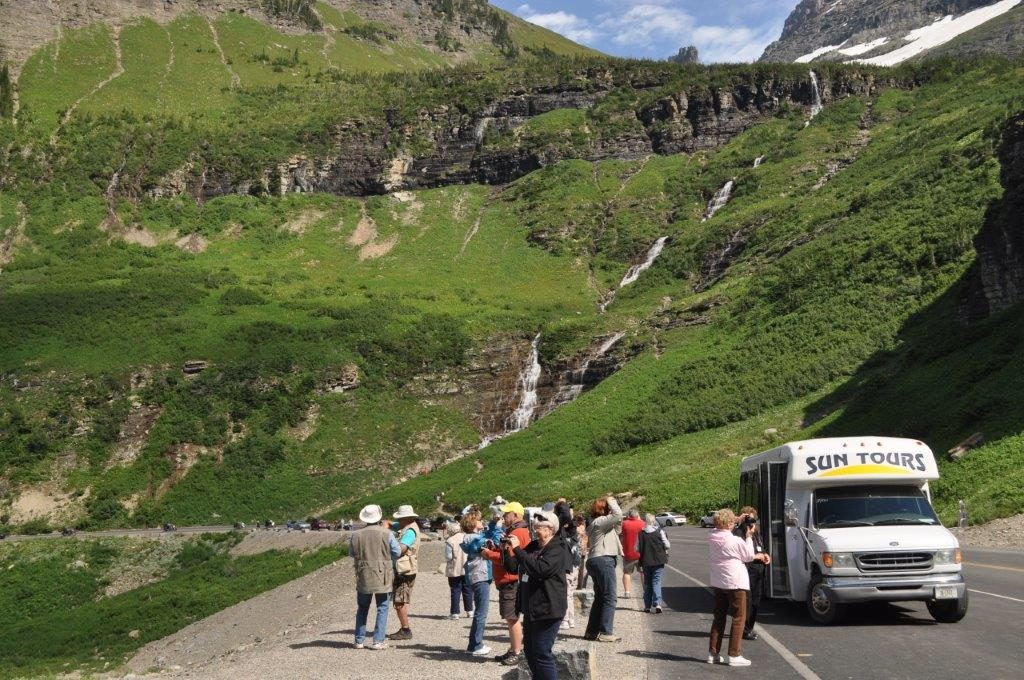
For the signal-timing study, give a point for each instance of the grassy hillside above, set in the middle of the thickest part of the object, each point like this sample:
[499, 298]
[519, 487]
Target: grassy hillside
[74, 604]
[826, 275]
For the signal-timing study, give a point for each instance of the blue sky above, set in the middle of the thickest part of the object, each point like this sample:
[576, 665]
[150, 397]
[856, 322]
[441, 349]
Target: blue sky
[723, 30]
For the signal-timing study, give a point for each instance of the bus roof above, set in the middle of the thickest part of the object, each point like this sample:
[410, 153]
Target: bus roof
[844, 460]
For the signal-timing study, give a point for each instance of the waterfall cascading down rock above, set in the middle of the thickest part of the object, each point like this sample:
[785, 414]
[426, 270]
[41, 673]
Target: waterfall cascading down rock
[816, 105]
[720, 200]
[521, 417]
[634, 272]
[527, 389]
[578, 377]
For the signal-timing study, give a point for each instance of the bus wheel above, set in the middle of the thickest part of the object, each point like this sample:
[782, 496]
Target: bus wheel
[948, 611]
[821, 603]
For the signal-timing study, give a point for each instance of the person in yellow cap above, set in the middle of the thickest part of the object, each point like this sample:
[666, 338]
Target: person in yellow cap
[508, 583]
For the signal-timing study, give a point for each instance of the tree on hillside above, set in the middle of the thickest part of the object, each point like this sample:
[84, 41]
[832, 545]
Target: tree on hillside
[6, 93]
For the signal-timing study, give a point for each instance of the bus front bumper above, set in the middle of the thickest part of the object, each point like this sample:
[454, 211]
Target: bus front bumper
[896, 588]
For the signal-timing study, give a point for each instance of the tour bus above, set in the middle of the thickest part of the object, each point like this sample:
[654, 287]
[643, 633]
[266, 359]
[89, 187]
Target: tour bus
[850, 520]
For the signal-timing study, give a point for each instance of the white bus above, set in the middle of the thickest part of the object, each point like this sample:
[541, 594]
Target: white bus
[850, 520]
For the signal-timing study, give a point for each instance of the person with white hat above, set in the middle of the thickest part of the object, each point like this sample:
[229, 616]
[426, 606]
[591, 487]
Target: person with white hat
[374, 550]
[405, 568]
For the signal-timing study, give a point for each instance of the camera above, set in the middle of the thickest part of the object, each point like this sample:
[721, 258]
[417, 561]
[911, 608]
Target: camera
[749, 521]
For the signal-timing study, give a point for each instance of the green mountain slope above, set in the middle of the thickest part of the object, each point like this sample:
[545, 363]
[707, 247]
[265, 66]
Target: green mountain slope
[153, 213]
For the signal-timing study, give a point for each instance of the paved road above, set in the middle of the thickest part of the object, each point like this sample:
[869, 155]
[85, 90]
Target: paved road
[875, 641]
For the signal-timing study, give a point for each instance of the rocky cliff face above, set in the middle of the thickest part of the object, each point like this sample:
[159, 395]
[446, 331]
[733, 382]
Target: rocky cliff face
[997, 280]
[363, 161]
[815, 25]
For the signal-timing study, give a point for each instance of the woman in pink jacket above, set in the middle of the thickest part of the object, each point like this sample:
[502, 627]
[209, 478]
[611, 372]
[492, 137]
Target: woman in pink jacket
[730, 582]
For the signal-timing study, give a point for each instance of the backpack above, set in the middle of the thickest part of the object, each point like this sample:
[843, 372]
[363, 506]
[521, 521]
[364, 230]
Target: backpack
[575, 550]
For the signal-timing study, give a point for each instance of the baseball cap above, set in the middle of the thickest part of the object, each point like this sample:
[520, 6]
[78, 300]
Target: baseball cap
[515, 507]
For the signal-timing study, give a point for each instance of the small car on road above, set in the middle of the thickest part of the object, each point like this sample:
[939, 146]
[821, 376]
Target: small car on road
[670, 519]
[707, 521]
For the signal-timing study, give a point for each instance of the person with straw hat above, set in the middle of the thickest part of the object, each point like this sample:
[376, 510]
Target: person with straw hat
[405, 568]
[374, 550]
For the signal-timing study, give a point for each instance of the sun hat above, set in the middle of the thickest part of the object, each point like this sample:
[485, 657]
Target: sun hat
[548, 518]
[515, 507]
[405, 511]
[371, 514]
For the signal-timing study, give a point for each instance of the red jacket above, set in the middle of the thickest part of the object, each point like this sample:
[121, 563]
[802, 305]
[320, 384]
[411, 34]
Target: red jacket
[631, 529]
[502, 577]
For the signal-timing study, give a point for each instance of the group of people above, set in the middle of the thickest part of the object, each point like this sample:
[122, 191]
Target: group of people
[537, 562]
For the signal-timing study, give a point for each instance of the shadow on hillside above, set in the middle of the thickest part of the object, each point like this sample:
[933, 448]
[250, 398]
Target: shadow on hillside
[942, 383]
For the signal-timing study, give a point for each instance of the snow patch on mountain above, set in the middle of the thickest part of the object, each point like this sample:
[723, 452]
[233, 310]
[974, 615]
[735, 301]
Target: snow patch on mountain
[863, 48]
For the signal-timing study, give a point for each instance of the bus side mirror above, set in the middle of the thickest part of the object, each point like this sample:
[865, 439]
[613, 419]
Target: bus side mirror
[791, 516]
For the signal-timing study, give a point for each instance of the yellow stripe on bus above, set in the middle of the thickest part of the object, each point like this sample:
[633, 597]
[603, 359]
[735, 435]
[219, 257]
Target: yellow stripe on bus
[865, 470]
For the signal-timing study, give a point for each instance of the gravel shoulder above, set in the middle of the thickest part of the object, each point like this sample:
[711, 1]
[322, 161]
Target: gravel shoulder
[1006, 534]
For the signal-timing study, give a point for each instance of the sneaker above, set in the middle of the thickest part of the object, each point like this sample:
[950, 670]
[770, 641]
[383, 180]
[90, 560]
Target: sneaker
[360, 645]
[749, 635]
[563, 625]
[454, 617]
[512, 660]
[738, 661]
[626, 595]
[657, 610]
[378, 645]
[482, 650]
[469, 614]
[607, 637]
[716, 658]
[402, 634]
[502, 657]
[647, 611]
[588, 636]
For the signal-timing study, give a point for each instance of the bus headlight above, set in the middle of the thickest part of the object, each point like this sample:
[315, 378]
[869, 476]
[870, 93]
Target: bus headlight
[948, 556]
[838, 560]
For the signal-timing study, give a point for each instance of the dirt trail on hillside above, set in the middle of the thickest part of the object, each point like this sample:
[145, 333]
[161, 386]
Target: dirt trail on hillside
[236, 82]
[117, 73]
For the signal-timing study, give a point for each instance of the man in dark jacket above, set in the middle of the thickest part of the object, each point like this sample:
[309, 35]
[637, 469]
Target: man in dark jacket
[542, 591]
[757, 570]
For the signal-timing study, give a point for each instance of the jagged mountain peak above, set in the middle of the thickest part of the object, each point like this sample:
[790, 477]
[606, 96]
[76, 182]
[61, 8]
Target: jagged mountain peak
[890, 32]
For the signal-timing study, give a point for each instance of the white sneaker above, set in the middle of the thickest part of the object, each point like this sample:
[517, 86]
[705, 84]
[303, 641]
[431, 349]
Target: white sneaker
[482, 650]
[378, 645]
[716, 658]
[738, 661]
[657, 609]
[360, 645]
[454, 617]
[469, 615]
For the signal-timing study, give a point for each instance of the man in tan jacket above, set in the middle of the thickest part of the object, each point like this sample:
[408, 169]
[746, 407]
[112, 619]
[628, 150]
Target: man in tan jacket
[374, 550]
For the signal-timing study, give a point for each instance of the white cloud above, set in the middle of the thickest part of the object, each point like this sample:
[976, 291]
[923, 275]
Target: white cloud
[645, 23]
[571, 26]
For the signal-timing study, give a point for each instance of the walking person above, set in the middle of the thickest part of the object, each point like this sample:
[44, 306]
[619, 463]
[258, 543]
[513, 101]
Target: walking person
[506, 582]
[653, 545]
[728, 556]
[632, 526]
[602, 558]
[405, 568]
[478, 574]
[374, 550]
[569, 535]
[756, 570]
[455, 562]
[541, 565]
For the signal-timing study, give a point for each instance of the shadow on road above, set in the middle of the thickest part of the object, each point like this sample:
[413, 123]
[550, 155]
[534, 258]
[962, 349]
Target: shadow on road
[684, 633]
[330, 644]
[867, 614]
[690, 599]
[439, 653]
[661, 656]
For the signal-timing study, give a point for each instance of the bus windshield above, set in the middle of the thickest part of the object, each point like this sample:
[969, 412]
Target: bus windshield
[869, 506]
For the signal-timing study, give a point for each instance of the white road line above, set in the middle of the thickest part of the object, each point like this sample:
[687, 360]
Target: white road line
[789, 657]
[993, 566]
[1001, 597]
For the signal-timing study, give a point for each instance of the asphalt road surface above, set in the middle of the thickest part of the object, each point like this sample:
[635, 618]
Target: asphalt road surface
[880, 640]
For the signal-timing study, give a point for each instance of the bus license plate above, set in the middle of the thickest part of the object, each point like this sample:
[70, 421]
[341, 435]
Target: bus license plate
[945, 592]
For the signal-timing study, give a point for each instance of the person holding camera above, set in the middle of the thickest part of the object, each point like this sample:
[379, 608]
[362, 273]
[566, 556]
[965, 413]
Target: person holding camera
[478, 573]
[602, 558]
[541, 567]
[729, 555]
[756, 570]
[507, 583]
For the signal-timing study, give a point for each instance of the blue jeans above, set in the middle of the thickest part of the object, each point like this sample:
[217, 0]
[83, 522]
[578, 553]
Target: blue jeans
[460, 589]
[380, 628]
[481, 600]
[652, 586]
[602, 612]
[538, 639]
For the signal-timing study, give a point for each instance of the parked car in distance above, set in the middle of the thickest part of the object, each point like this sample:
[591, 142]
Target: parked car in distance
[423, 523]
[317, 524]
[707, 521]
[670, 519]
[169, 527]
[68, 531]
[239, 525]
[440, 522]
